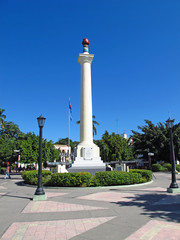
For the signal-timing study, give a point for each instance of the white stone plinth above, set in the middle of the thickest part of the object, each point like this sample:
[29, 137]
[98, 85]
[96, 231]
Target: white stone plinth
[88, 156]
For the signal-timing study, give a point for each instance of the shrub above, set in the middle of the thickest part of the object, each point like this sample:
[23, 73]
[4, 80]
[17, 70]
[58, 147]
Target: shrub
[167, 166]
[146, 174]
[157, 167]
[116, 178]
[178, 168]
[85, 178]
[71, 179]
[31, 177]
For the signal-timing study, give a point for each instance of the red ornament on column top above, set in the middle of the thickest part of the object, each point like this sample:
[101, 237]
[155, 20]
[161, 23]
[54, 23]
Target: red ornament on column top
[85, 41]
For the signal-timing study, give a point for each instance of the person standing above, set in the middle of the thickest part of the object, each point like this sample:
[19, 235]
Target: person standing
[7, 174]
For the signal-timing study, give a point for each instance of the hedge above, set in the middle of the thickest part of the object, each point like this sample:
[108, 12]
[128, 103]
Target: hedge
[31, 177]
[71, 179]
[164, 167]
[85, 179]
[167, 166]
[158, 168]
[178, 168]
[116, 178]
[146, 174]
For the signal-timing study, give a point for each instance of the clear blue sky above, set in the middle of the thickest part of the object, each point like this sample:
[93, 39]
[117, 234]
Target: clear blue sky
[135, 71]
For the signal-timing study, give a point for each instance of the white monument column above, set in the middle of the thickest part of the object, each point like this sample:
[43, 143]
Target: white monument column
[87, 153]
[86, 130]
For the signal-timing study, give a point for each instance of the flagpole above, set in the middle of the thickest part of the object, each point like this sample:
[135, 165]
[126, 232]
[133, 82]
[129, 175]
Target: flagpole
[69, 132]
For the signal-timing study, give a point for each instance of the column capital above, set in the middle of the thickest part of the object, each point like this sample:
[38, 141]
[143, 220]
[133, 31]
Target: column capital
[85, 58]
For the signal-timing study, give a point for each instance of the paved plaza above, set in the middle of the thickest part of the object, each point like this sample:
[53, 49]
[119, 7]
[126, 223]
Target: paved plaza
[140, 212]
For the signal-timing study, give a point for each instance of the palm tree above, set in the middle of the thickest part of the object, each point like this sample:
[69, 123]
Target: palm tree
[94, 128]
[2, 117]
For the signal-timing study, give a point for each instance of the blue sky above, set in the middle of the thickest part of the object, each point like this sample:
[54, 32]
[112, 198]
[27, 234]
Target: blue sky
[135, 71]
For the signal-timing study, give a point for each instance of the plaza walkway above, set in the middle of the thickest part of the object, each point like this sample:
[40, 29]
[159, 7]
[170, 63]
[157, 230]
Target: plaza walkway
[140, 212]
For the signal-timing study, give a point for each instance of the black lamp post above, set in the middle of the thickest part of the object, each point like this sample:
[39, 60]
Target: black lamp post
[39, 190]
[173, 184]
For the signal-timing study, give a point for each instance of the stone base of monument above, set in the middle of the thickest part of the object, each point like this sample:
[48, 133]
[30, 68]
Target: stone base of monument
[92, 170]
[85, 165]
[87, 159]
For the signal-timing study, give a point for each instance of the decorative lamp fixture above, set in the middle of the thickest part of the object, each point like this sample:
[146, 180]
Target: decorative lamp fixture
[170, 123]
[41, 121]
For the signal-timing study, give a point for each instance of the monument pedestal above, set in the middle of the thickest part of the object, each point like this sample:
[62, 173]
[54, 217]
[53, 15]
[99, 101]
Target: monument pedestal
[87, 159]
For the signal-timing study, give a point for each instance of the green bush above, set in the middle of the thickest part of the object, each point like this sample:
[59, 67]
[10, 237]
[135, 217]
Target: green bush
[71, 179]
[84, 179]
[167, 166]
[146, 174]
[31, 177]
[178, 168]
[157, 167]
[116, 178]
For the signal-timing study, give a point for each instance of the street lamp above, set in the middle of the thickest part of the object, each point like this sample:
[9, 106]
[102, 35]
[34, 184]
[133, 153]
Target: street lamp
[173, 186]
[40, 194]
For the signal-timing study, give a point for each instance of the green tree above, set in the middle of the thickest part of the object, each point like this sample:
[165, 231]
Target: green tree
[11, 130]
[10, 136]
[29, 148]
[155, 139]
[117, 148]
[94, 123]
[6, 149]
[2, 118]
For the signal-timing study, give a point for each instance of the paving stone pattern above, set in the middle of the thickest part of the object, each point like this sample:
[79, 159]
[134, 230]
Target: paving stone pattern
[156, 230]
[52, 230]
[51, 206]
[143, 212]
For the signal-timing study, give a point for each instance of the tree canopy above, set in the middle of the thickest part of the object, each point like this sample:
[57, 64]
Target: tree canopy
[2, 118]
[11, 138]
[150, 138]
[115, 146]
[155, 139]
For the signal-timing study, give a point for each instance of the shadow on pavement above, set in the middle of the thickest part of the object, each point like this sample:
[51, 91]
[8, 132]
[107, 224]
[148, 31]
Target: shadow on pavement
[167, 212]
[13, 196]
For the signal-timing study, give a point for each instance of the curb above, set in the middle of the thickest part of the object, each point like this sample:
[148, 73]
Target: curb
[106, 187]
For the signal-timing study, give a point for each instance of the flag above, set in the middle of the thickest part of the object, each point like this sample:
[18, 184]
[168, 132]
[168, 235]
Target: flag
[70, 109]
